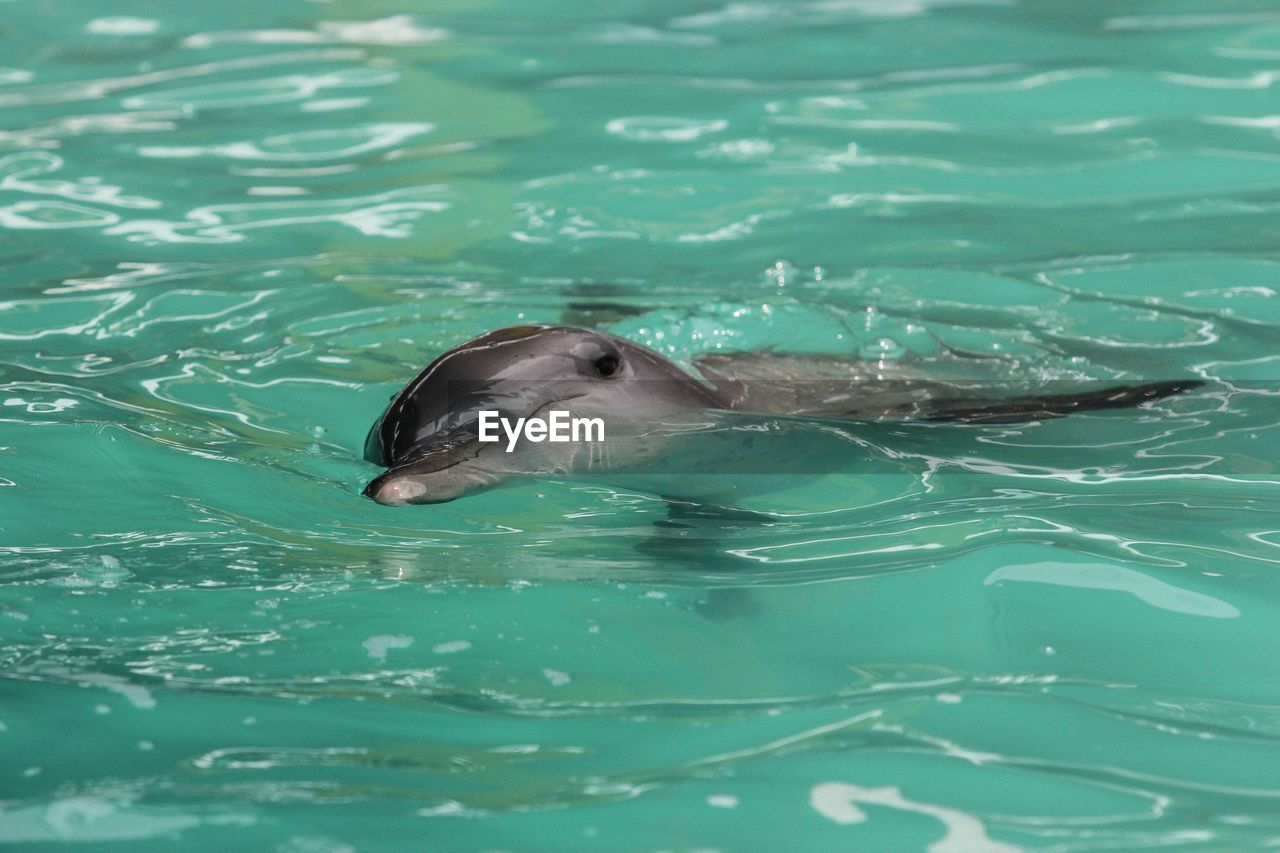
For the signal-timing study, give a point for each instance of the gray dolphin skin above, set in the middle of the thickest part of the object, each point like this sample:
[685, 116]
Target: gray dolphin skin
[429, 437]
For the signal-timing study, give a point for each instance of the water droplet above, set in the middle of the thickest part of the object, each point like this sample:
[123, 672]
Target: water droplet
[780, 273]
[881, 349]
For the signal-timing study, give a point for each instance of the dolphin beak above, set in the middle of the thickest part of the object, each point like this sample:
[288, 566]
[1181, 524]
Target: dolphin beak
[435, 477]
[394, 489]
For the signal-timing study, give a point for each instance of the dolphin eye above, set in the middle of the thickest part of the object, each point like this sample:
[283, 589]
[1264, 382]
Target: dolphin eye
[596, 356]
[607, 365]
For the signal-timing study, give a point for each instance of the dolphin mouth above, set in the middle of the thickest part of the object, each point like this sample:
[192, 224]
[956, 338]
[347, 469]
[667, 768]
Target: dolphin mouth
[429, 476]
[428, 479]
[394, 489]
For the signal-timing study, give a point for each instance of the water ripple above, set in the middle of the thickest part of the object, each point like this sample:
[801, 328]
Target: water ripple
[230, 234]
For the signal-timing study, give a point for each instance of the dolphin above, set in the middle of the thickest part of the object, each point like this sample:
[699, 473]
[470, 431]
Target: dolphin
[430, 438]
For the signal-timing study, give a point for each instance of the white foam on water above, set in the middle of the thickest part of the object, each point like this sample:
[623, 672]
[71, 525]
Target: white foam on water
[393, 30]
[837, 801]
[663, 128]
[556, 677]
[138, 696]
[377, 646]
[123, 26]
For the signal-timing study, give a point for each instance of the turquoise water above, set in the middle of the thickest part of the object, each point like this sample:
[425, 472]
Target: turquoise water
[230, 231]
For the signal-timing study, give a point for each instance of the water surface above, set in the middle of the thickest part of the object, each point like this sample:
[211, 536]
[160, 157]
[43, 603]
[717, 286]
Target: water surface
[230, 231]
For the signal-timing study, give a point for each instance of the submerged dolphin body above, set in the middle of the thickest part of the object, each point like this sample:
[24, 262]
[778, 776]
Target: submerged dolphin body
[429, 436]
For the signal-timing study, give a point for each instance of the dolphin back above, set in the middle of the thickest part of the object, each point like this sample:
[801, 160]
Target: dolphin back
[780, 384]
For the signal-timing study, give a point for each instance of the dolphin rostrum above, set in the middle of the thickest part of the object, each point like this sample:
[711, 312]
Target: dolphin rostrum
[430, 436]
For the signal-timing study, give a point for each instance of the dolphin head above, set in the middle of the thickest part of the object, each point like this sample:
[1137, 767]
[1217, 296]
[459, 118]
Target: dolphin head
[429, 436]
